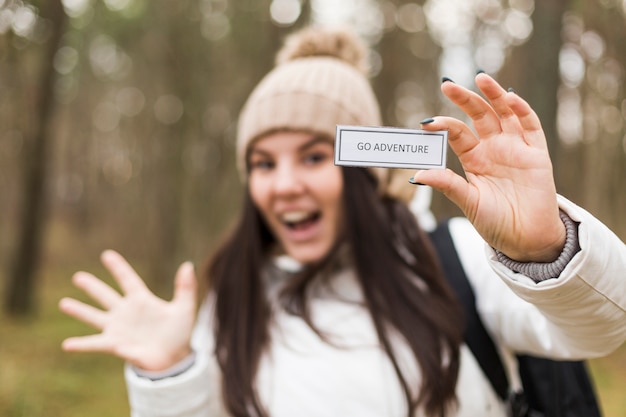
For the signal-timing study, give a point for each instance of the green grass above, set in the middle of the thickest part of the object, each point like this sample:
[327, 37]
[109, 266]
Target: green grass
[609, 374]
[38, 379]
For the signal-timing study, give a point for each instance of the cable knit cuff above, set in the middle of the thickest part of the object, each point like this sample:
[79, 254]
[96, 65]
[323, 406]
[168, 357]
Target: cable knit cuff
[540, 271]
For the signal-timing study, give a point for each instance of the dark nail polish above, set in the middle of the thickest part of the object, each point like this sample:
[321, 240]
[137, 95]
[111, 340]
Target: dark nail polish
[412, 181]
[510, 90]
[427, 121]
[444, 79]
[480, 71]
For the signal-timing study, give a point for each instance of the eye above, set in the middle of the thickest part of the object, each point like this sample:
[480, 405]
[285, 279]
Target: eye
[315, 157]
[262, 164]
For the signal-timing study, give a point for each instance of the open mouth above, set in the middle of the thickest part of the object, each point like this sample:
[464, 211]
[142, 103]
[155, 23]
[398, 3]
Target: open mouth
[299, 220]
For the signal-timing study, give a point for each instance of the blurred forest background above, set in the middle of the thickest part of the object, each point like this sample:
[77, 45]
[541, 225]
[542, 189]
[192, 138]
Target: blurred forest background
[117, 123]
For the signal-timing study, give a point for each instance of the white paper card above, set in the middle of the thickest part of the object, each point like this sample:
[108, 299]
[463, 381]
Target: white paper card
[390, 147]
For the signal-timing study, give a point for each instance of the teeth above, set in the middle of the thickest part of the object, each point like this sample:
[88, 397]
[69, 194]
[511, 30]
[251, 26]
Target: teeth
[295, 216]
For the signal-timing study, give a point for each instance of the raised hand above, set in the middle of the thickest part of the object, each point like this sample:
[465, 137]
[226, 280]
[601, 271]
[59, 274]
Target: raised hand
[137, 326]
[508, 192]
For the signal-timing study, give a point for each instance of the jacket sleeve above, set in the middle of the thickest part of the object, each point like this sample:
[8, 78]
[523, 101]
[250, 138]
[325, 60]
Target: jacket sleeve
[580, 314]
[193, 393]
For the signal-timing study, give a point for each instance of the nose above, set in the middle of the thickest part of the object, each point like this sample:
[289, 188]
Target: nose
[287, 180]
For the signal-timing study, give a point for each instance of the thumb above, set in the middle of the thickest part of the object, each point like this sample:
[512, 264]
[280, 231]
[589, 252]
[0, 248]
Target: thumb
[185, 285]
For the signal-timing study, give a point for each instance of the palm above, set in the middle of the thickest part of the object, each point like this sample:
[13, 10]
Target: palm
[508, 193]
[137, 326]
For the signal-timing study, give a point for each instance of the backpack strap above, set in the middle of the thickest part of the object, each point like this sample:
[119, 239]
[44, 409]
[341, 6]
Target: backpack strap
[551, 388]
[476, 336]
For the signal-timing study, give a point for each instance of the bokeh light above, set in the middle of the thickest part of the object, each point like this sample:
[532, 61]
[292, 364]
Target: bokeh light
[215, 26]
[285, 12]
[569, 116]
[24, 20]
[168, 109]
[518, 26]
[76, 8]
[592, 45]
[488, 11]
[606, 78]
[130, 101]
[117, 5]
[65, 60]
[6, 19]
[410, 18]
[571, 66]
[107, 60]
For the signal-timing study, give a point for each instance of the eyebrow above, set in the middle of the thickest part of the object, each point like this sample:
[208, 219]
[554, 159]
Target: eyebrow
[308, 144]
[314, 141]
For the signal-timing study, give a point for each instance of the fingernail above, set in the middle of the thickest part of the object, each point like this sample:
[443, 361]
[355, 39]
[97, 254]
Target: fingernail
[480, 71]
[510, 90]
[412, 181]
[427, 121]
[444, 79]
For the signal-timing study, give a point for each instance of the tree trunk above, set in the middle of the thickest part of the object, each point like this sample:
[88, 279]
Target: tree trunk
[19, 296]
[601, 179]
[533, 68]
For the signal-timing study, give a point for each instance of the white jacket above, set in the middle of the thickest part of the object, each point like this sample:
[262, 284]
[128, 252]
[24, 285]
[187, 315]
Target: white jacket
[582, 314]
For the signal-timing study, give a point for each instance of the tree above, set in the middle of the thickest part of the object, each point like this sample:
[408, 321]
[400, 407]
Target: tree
[533, 68]
[19, 296]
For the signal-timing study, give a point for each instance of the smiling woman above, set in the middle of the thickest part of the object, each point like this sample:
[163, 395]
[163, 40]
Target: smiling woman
[297, 188]
[327, 298]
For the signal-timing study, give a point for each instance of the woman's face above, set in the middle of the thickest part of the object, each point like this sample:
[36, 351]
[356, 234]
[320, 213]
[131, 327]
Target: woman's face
[297, 188]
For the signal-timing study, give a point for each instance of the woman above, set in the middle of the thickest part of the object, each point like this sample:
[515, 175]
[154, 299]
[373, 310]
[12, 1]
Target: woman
[327, 298]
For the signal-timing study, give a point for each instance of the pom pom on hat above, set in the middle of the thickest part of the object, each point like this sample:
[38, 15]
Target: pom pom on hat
[319, 81]
[339, 43]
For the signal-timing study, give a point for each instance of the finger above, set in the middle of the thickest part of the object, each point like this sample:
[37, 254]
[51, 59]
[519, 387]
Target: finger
[96, 289]
[449, 183]
[91, 343]
[185, 285]
[497, 97]
[484, 118]
[123, 273]
[460, 136]
[529, 121]
[83, 312]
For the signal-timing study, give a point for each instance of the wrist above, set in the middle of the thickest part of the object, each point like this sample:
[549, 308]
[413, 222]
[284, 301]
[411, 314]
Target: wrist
[175, 369]
[158, 363]
[540, 271]
[545, 247]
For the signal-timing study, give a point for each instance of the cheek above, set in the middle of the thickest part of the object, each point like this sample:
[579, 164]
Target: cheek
[257, 192]
[334, 192]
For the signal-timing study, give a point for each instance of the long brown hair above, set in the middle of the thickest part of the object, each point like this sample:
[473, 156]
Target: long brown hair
[400, 277]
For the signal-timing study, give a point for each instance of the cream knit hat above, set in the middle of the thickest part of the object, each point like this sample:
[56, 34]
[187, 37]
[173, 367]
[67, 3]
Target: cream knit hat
[319, 81]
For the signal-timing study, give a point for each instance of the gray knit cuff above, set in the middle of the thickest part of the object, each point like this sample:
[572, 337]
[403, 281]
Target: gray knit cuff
[540, 271]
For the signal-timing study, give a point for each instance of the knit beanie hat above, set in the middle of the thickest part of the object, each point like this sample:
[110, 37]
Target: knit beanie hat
[319, 81]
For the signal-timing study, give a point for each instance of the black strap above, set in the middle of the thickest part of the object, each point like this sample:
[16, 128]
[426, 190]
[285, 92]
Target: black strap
[476, 337]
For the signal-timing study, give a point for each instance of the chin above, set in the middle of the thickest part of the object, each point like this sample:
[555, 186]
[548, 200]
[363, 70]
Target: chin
[308, 255]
